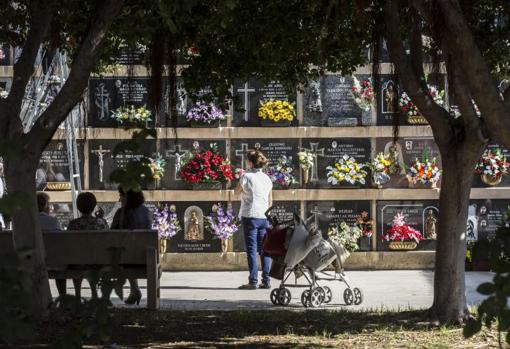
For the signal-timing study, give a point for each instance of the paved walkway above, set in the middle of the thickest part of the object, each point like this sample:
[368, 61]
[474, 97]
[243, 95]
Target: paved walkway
[398, 290]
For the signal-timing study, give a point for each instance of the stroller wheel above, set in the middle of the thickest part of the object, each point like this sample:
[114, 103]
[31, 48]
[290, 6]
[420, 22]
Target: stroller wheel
[358, 296]
[274, 296]
[316, 297]
[284, 296]
[348, 296]
[328, 295]
[305, 298]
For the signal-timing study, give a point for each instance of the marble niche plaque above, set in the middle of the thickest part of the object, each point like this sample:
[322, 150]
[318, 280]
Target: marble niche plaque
[485, 217]
[505, 180]
[421, 215]
[327, 151]
[387, 102]
[273, 149]
[63, 211]
[102, 163]
[174, 151]
[408, 150]
[247, 98]
[194, 237]
[283, 210]
[108, 94]
[54, 167]
[329, 101]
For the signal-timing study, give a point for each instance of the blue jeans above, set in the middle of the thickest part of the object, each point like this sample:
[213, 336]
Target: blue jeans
[254, 231]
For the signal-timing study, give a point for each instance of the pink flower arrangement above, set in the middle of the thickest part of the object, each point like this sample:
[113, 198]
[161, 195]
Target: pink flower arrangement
[400, 231]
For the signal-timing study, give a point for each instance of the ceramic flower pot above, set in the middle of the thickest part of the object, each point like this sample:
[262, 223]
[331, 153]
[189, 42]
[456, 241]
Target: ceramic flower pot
[56, 186]
[305, 172]
[270, 123]
[207, 186]
[491, 180]
[402, 245]
[198, 124]
[380, 178]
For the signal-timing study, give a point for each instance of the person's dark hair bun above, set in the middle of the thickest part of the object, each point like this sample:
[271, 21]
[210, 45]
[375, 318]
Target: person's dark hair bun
[257, 158]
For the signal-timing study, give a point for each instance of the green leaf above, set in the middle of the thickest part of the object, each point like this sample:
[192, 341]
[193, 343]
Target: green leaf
[486, 288]
[472, 327]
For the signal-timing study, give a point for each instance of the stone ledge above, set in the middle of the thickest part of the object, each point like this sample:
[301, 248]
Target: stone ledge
[375, 260]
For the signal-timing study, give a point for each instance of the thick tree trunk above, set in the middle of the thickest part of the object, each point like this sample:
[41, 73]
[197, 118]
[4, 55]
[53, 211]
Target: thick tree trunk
[27, 237]
[449, 285]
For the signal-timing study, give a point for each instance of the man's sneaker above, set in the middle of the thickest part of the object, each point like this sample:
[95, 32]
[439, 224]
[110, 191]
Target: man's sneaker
[265, 286]
[248, 287]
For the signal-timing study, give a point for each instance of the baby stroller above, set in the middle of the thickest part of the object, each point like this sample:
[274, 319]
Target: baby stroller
[299, 248]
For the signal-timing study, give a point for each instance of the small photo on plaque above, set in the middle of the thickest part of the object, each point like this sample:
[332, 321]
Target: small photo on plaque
[485, 217]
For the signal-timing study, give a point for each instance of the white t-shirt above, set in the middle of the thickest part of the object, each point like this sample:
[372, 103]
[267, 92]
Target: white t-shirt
[256, 187]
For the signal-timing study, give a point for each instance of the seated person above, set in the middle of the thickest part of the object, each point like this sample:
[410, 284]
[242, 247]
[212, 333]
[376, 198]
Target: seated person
[48, 223]
[86, 202]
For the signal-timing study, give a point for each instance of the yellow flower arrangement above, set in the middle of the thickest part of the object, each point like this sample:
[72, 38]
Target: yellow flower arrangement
[276, 110]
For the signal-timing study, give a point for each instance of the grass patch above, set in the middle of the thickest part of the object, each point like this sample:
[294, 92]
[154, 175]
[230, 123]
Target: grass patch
[279, 329]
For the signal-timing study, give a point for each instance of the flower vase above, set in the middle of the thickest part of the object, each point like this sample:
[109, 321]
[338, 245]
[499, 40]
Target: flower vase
[402, 245]
[306, 175]
[365, 243]
[224, 245]
[270, 123]
[380, 178]
[162, 246]
[491, 180]
[366, 117]
[198, 124]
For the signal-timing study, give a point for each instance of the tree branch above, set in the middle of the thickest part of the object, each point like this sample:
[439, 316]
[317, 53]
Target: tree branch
[83, 64]
[435, 115]
[40, 17]
[461, 44]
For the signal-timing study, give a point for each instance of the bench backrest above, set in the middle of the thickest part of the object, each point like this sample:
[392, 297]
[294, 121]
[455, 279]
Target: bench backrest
[92, 247]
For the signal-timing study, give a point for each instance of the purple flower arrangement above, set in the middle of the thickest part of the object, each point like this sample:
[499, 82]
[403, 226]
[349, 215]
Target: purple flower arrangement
[222, 223]
[282, 173]
[165, 221]
[205, 113]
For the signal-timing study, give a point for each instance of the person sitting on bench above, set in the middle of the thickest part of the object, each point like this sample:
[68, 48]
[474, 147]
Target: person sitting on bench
[86, 203]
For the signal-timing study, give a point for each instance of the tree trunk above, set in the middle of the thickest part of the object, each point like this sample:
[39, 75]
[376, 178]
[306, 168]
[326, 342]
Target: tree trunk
[449, 284]
[27, 237]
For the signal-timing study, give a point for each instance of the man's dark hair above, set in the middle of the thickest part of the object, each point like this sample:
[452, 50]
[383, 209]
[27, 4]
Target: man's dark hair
[86, 202]
[43, 201]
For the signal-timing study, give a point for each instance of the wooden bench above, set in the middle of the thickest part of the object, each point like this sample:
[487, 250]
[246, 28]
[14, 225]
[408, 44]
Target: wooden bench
[139, 256]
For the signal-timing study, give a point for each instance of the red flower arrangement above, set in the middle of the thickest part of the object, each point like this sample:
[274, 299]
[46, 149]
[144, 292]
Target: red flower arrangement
[400, 231]
[206, 166]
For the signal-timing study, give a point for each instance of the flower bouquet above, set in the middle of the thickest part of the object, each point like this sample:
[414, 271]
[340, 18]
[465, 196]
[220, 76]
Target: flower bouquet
[167, 224]
[157, 166]
[424, 172]
[401, 236]
[205, 114]
[276, 112]
[411, 110]
[363, 93]
[380, 167]
[346, 169]
[306, 160]
[492, 166]
[131, 115]
[282, 173]
[222, 224]
[206, 166]
[346, 236]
